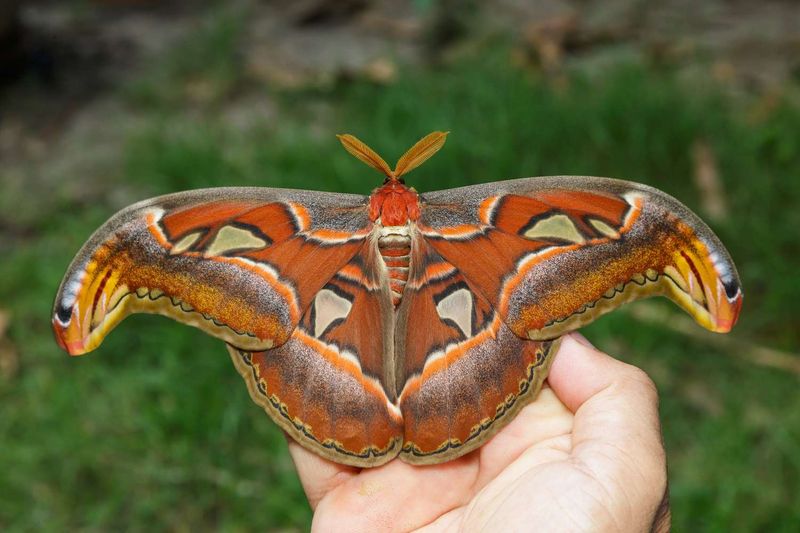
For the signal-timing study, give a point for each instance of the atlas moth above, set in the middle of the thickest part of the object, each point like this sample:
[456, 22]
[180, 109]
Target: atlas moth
[399, 324]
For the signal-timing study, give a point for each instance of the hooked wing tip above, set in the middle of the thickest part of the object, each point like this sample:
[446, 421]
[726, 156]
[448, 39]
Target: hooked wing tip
[707, 289]
[79, 327]
[728, 311]
[68, 335]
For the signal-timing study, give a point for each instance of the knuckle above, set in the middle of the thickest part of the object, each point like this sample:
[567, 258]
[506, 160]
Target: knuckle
[636, 380]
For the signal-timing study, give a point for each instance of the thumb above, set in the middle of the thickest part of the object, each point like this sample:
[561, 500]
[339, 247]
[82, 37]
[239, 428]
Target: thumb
[616, 433]
[317, 475]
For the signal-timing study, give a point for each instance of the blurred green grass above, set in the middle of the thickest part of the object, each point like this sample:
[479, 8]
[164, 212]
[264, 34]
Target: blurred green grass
[155, 430]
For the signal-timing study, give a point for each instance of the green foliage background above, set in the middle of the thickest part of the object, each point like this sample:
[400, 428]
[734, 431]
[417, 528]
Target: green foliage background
[155, 430]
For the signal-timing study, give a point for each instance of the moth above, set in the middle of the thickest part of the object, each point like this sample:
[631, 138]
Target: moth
[401, 323]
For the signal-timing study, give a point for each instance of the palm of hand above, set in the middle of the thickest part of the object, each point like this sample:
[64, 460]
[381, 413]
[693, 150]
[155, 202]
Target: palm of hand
[586, 455]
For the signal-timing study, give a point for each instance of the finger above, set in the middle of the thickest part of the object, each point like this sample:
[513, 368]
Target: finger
[317, 475]
[616, 434]
[545, 425]
[580, 371]
[396, 496]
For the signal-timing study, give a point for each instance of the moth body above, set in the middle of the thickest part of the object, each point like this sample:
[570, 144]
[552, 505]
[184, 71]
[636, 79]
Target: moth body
[394, 203]
[394, 245]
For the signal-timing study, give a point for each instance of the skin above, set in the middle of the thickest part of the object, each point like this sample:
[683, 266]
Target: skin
[586, 456]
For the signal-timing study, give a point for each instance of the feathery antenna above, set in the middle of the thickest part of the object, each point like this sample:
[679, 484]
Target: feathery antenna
[414, 156]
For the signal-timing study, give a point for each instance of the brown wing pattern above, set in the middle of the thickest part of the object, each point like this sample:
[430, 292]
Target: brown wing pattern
[463, 373]
[558, 252]
[241, 264]
[293, 281]
[326, 386]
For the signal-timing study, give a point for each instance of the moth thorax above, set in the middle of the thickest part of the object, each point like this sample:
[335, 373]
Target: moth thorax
[394, 243]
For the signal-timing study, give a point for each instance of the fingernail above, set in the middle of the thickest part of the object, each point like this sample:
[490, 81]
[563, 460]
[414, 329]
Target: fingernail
[582, 340]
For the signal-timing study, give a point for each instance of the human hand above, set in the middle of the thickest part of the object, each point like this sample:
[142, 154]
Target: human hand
[587, 455]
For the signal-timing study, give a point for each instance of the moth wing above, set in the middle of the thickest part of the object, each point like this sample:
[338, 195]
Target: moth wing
[242, 264]
[462, 373]
[327, 386]
[553, 253]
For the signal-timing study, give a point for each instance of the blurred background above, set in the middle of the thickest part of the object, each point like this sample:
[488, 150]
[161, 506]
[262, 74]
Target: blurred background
[106, 102]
